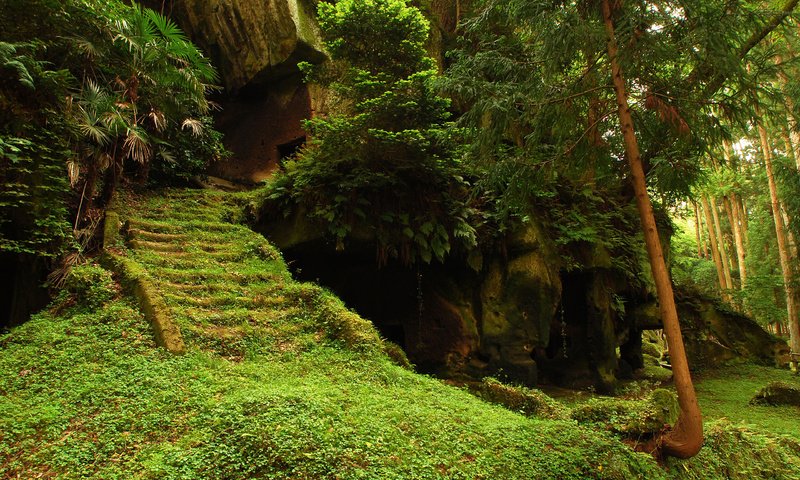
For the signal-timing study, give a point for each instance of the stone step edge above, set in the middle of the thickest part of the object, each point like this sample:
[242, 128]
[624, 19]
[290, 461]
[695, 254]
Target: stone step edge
[136, 282]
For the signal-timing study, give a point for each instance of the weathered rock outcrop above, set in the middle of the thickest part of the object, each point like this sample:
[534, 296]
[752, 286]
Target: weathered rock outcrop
[714, 334]
[256, 46]
[252, 42]
[505, 320]
[518, 298]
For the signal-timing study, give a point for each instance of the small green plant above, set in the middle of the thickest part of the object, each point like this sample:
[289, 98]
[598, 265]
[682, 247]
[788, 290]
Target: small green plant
[90, 285]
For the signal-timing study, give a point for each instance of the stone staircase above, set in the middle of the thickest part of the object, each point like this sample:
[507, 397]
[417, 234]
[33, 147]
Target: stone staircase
[223, 285]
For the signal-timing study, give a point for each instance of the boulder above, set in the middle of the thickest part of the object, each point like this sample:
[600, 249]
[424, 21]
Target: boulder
[713, 334]
[778, 393]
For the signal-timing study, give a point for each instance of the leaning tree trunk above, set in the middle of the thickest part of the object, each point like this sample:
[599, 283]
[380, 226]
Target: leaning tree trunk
[686, 438]
[783, 248]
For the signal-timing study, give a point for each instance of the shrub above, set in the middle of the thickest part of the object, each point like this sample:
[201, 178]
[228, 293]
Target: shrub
[90, 285]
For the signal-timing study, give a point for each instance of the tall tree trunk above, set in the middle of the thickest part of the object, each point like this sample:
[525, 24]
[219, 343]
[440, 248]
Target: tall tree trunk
[712, 240]
[793, 134]
[697, 231]
[733, 213]
[723, 251]
[743, 218]
[686, 438]
[783, 248]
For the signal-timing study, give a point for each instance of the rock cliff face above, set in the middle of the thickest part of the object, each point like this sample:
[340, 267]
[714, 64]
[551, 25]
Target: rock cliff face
[256, 46]
[252, 41]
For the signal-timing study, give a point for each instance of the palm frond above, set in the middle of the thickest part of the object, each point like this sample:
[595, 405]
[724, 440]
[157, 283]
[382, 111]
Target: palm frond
[137, 145]
[196, 126]
[73, 172]
[166, 27]
[158, 119]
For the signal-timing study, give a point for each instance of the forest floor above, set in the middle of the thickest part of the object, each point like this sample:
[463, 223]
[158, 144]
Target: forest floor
[281, 381]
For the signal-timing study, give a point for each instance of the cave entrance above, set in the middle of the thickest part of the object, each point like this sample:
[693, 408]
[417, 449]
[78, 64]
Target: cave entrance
[288, 150]
[387, 296]
[566, 361]
[22, 290]
[581, 352]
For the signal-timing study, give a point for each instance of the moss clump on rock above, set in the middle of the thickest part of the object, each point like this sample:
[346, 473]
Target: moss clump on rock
[651, 349]
[530, 402]
[778, 393]
[630, 417]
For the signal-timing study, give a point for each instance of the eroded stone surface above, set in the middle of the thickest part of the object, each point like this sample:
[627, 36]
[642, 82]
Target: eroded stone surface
[252, 42]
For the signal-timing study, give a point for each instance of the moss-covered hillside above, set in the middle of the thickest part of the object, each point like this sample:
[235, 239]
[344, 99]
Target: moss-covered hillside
[278, 381]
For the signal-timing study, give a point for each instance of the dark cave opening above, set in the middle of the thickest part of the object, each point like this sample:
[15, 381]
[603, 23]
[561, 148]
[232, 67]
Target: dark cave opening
[289, 150]
[22, 290]
[565, 361]
[388, 296]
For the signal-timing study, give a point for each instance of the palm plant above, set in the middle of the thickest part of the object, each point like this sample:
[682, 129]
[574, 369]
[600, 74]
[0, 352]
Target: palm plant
[145, 83]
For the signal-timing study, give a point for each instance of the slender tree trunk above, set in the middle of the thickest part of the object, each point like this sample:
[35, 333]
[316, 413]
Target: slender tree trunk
[783, 249]
[733, 213]
[723, 252]
[793, 134]
[741, 253]
[743, 217]
[686, 438]
[697, 231]
[712, 240]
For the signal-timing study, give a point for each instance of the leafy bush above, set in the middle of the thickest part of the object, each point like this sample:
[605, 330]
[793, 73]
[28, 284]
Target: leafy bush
[90, 285]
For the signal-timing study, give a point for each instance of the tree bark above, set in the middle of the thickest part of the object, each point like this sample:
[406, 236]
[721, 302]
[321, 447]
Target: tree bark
[793, 137]
[743, 218]
[723, 252]
[741, 253]
[686, 438]
[783, 249]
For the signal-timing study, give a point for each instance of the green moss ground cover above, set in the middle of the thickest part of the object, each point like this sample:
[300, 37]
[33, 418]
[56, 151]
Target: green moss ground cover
[291, 386]
[726, 393]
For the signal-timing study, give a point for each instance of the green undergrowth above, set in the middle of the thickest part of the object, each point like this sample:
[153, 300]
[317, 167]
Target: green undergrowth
[85, 394]
[281, 381]
[726, 393]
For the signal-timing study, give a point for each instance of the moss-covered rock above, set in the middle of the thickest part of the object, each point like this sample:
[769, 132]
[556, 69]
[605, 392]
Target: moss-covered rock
[714, 334]
[778, 393]
[651, 349]
[518, 301]
[630, 417]
[651, 361]
[529, 402]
